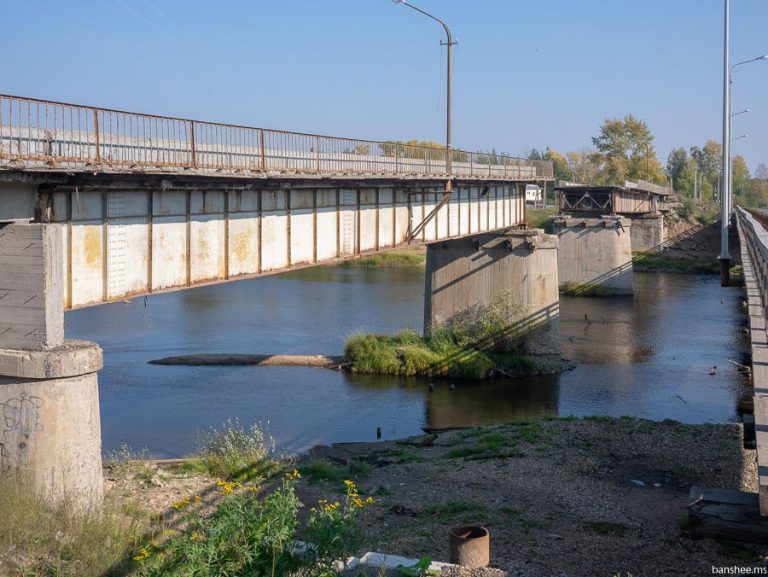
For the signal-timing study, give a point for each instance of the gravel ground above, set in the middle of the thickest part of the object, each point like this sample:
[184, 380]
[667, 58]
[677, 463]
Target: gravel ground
[586, 497]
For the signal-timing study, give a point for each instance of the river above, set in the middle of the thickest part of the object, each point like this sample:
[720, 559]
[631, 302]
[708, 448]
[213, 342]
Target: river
[646, 356]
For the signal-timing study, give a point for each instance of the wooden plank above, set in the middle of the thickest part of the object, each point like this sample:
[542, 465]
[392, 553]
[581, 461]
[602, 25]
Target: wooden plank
[726, 514]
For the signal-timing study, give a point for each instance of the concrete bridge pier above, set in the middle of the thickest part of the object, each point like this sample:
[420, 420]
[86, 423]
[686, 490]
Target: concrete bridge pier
[50, 432]
[595, 256]
[647, 231]
[467, 275]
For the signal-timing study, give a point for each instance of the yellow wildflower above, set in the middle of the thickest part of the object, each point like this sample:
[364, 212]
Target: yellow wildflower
[198, 498]
[195, 536]
[181, 503]
[144, 552]
[293, 475]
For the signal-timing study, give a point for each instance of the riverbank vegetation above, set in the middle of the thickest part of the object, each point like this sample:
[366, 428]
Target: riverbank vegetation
[410, 257]
[473, 345]
[540, 218]
[176, 519]
[654, 261]
[574, 289]
[625, 482]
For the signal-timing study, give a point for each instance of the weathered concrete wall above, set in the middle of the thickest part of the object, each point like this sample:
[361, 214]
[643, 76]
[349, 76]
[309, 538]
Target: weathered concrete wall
[473, 272]
[595, 252]
[49, 400]
[647, 232]
[125, 239]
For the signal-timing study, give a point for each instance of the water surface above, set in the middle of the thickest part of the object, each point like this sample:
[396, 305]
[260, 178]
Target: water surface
[646, 356]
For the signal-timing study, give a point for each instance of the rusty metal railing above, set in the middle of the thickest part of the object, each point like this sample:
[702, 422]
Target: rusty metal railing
[43, 131]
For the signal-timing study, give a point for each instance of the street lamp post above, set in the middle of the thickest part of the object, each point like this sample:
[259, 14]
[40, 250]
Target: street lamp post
[449, 43]
[725, 181]
[730, 117]
[725, 257]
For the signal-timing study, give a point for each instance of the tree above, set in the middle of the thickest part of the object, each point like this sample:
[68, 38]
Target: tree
[583, 167]
[625, 152]
[740, 177]
[562, 171]
[761, 172]
[677, 169]
[535, 154]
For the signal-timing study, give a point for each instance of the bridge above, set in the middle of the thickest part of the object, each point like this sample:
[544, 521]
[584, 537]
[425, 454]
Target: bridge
[187, 202]
[98, 205]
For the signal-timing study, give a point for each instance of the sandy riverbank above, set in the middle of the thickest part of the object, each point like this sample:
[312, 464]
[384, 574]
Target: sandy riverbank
[591, 497]
[577, 498]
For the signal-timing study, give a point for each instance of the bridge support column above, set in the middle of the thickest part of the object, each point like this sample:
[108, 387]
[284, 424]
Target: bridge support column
[50, 431]
[647, 232]
[473, 273]
[595, 256]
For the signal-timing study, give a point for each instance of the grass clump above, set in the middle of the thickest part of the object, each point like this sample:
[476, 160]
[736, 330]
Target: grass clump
[451, 511]
[42, 539]
[389, 259]
[317, 470]
[650, 261]
[574, 289]
[540, 218]
[236, 452]
[469, 346]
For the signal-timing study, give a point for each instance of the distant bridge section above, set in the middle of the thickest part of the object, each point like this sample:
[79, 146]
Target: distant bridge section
[150, 203]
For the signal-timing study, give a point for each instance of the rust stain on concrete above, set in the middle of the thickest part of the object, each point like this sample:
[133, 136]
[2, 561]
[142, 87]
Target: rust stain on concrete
[92, 245]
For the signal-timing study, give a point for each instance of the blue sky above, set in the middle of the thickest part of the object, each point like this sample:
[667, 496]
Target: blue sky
[527, 73]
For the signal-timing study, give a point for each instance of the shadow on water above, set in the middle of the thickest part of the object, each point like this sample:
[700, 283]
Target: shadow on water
[647, 356]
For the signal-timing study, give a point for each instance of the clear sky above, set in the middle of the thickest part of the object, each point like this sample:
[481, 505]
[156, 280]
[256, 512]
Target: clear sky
[527, 73]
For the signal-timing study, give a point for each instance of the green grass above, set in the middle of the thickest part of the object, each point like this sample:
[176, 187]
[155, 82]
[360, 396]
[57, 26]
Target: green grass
[316, 471]
[539, 218]
[486, 443]
[235, 452]
[453, 511]
[443, 354]
[575, 289]
[395, 258]
[655, 261]
[40, 539]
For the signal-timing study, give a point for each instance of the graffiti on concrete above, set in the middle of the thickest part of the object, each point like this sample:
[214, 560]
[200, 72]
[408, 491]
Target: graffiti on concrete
[22, 414]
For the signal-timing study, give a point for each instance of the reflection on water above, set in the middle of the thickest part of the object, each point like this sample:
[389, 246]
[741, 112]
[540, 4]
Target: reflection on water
[647, 355]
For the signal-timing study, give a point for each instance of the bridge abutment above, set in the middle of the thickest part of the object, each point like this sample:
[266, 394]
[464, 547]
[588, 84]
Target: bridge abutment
[595, 255]
[50, 429]
[496, 270]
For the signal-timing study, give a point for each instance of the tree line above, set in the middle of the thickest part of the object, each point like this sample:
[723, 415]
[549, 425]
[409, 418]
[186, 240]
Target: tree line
[623, 150]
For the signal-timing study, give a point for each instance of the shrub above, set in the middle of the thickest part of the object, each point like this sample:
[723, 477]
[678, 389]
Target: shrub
[235, 452]
[246, 536]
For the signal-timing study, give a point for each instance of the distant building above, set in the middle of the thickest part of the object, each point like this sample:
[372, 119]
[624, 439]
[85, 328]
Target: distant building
[533, 194]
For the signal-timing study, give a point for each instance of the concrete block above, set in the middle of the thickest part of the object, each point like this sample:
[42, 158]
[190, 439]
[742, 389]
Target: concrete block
[31, 286]
[595, 254]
